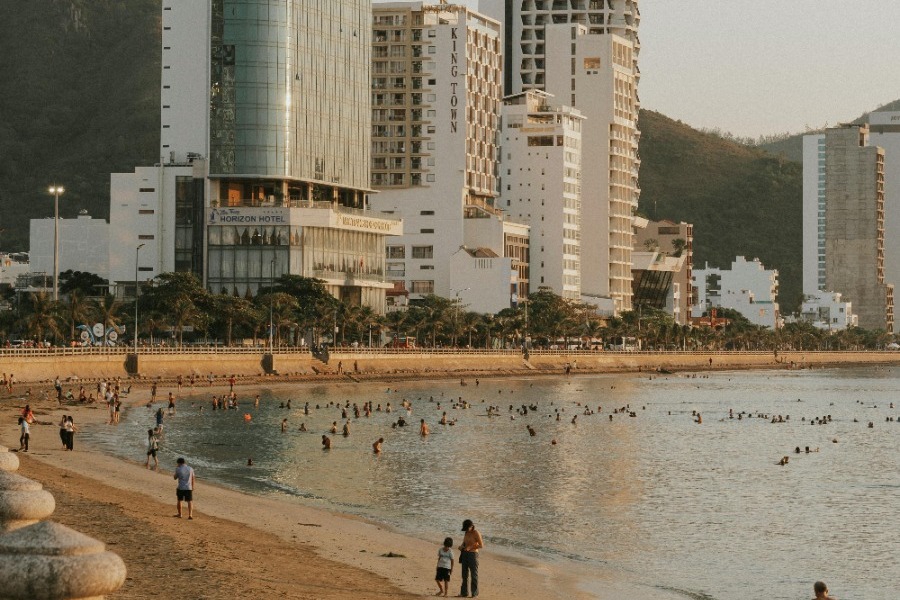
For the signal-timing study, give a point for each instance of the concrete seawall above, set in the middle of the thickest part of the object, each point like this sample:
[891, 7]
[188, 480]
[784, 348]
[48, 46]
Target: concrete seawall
[71, 364]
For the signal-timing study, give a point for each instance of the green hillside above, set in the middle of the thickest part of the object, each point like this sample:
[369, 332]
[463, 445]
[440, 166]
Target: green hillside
[81, 100]
[741, 200]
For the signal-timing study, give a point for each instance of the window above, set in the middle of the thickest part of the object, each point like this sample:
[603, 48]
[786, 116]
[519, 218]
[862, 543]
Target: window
[396, 269]
[592, 62]
[427, 267]
[426, 212]
[146, 190]
[540, 140]
[145, 269]
[428, 230]
[423, 251]
[396, 252]
[422, 287]
[146, 212]
[146, 237]
[429, 177]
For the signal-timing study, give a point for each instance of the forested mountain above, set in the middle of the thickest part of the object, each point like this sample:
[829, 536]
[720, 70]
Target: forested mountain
[741, 200]
[80, 100]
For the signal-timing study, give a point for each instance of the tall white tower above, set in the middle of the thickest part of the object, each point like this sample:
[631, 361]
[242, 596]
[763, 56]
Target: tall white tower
[585, 53]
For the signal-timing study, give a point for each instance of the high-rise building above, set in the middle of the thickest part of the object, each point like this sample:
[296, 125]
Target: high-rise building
[854, 225]
[585, 53]
[884, 132]
[541, 177]
[436, 94]
[813, 213]
[266, 108]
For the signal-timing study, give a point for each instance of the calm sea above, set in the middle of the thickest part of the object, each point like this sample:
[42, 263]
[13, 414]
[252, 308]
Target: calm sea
[650, 506]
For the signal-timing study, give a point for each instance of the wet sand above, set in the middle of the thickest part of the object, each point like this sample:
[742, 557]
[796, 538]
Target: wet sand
[238, 545]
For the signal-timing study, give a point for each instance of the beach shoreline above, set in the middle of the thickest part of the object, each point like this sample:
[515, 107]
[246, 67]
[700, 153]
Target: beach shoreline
[355, 549]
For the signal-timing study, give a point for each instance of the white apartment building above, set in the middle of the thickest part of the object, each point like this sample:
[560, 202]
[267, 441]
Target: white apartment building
[827, 310]
[143, 213]
[585, 53]
[13, 265]
[813, 213]
[264, 152]
[436, 95]
[83, 245]
[541, 186]
[747, 287]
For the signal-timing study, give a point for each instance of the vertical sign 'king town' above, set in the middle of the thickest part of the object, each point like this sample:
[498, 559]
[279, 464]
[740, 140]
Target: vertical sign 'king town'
[454, 73]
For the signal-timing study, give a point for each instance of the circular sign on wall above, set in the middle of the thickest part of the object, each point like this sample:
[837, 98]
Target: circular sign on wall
[85, 336]
[98, 330]
[113, 336]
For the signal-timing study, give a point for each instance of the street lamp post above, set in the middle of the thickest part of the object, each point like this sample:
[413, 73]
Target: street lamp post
[56, 190]
[456, 314]
[272, 305]
[137, 294]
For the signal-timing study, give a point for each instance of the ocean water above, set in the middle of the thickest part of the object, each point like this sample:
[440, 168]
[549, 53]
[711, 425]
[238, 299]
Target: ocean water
[650, 506]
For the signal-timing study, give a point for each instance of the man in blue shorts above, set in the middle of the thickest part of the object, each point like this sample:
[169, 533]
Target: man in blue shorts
[185, 492]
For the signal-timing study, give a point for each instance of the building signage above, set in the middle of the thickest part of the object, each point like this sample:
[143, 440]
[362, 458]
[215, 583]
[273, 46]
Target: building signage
[366, 223]
[454, 73]
[247, 216]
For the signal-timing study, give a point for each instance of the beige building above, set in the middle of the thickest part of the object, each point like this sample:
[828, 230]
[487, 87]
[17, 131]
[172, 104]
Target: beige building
[436, 96]
[670, 240]
[854, 225]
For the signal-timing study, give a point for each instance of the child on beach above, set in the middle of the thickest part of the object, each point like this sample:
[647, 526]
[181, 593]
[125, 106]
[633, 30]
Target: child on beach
[444, 567]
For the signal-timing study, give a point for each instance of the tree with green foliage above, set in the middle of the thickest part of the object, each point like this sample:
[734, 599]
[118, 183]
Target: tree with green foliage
[88, 284]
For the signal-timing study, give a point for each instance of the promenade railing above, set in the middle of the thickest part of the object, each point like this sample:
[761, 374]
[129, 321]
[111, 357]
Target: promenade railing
[367, 351]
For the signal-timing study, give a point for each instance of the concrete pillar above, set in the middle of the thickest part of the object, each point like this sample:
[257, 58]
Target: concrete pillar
[48, 561]
[22, 502]
[8, 460]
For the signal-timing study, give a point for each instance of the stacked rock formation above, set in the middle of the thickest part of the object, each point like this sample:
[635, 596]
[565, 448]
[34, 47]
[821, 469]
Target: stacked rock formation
[42, 560]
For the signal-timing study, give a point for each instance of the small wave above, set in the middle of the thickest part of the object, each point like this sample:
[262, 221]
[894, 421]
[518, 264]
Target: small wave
[686, 593]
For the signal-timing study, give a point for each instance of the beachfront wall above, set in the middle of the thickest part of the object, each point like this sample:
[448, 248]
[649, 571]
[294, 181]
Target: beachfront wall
[98, 363]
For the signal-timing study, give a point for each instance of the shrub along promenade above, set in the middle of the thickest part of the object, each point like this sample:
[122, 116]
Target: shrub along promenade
[45, 364]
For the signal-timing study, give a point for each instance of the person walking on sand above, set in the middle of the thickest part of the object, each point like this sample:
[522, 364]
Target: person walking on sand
[171, 403]
[185, 490]
[444, 567]
[468, 558]
[821, 591]
[24, 434]
[70, 433]
[152, 449]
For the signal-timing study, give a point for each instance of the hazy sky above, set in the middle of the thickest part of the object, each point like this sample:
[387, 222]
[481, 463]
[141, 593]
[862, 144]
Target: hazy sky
[768, 66]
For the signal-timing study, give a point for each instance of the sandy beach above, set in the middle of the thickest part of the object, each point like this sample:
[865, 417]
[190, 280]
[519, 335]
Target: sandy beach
[238, 545]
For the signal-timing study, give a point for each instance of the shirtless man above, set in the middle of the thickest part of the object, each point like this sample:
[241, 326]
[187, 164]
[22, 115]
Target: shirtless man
[423, 428]
[821, 591]
[326, 442]
[376, 447]
[468, 558]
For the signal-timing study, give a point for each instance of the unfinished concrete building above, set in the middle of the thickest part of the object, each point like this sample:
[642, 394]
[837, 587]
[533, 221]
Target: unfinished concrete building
[854, 225]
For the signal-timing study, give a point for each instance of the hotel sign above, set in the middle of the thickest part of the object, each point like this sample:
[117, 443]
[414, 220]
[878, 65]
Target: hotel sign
[369, 224]
[247, 216]
[454, 73]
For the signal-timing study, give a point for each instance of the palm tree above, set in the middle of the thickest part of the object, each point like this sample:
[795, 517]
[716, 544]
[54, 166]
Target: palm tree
[42, 318]
[77, 310]
[109, 307]
[183, 312]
